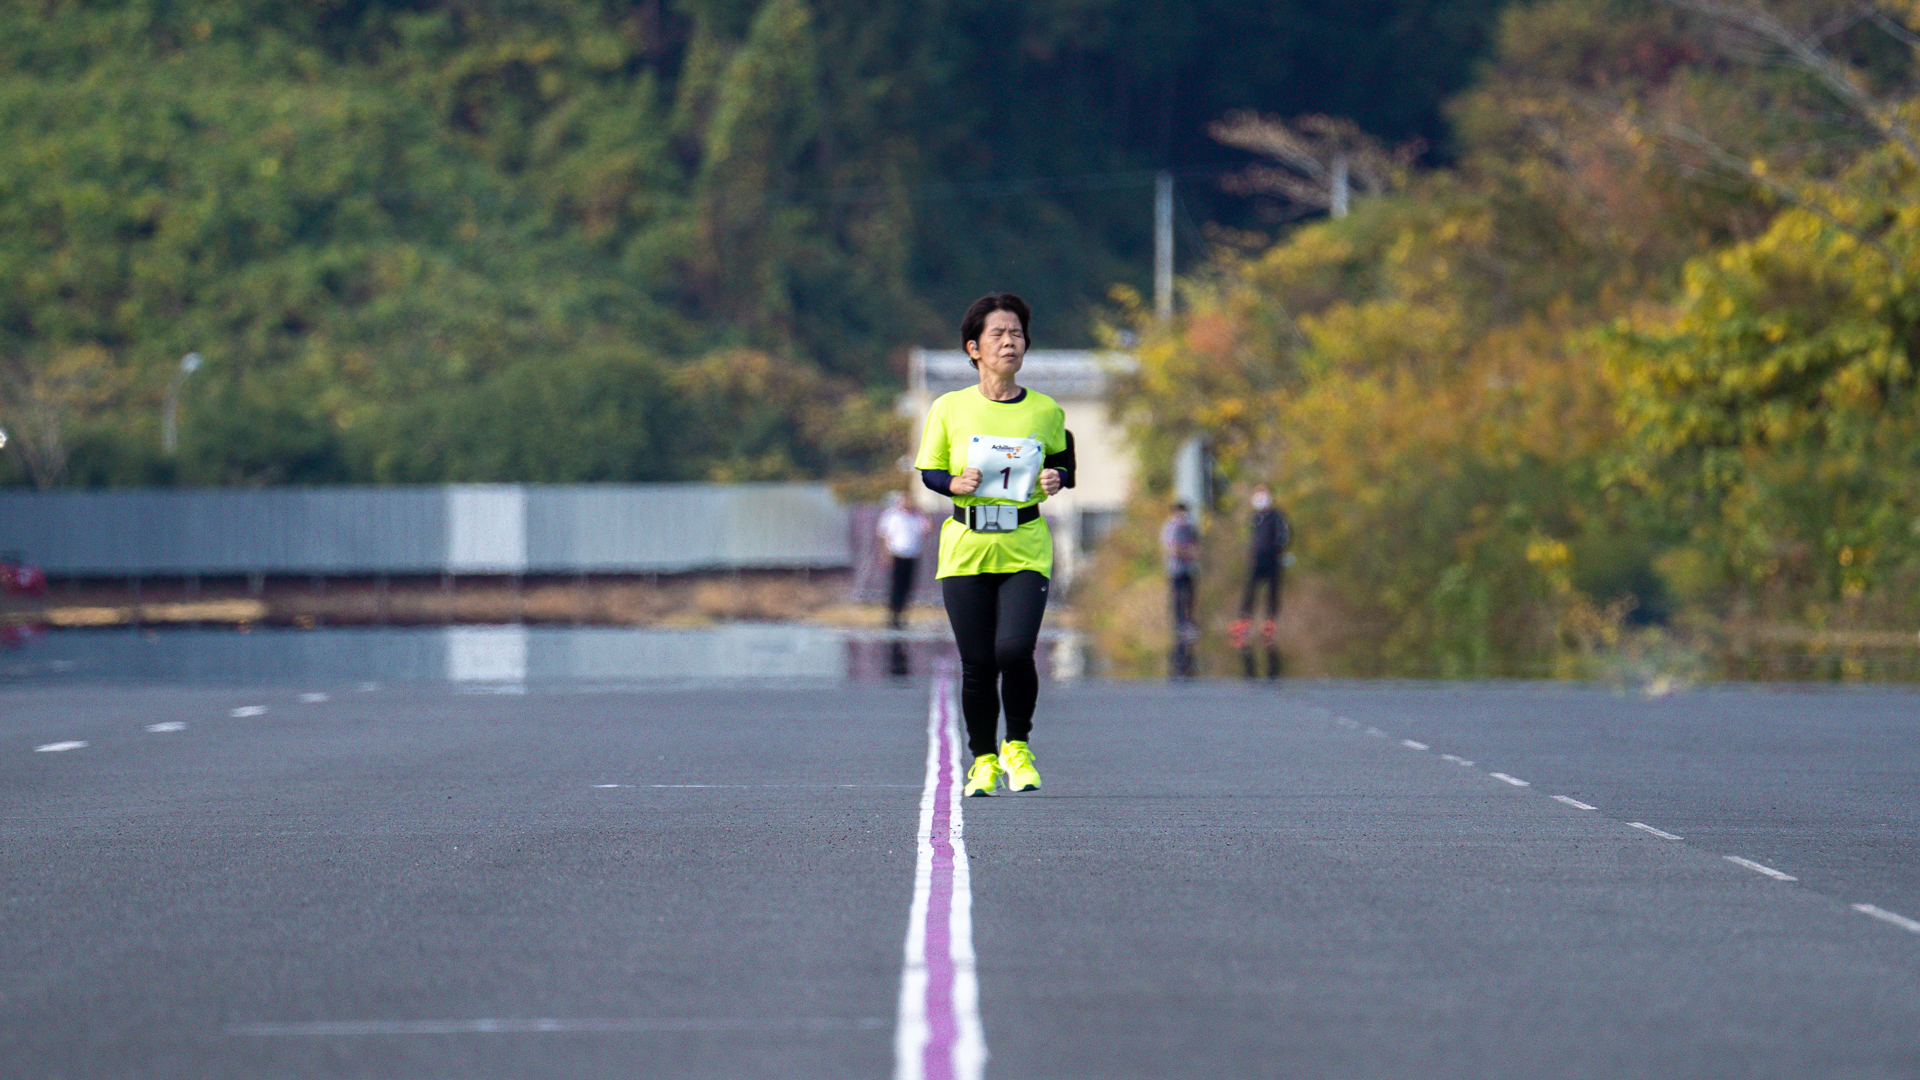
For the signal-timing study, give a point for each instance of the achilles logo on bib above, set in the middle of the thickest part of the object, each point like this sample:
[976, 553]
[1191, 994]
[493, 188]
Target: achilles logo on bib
[1008, 467]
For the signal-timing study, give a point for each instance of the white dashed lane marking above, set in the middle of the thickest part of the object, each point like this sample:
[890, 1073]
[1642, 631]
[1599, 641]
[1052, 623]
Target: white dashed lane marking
[1644, 827]
[59, 747]
[167, 725]
[747, 787]
[1889, 917]
[755, 787]
[314, 698]
[560, 1026]
[1886, 916]
[1759, 868]
[250, 710]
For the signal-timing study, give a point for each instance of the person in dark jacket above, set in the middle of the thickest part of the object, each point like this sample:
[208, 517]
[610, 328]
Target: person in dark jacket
[1270, 535]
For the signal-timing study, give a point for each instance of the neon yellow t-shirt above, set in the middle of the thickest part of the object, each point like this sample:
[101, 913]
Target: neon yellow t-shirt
[952, 424]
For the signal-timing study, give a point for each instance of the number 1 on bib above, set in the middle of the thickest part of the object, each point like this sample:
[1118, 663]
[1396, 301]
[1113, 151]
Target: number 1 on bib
[1008, 467]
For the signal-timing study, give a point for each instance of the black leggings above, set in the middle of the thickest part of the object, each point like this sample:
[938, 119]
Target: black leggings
[900, 588]
[1273, 577]
[996, 623]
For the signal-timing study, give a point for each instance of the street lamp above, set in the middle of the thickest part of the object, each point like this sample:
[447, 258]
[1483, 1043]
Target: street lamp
[170, 417]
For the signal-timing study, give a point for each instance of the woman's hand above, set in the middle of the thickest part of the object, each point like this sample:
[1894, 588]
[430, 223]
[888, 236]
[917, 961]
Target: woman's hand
[966, 483]
[1050, 481]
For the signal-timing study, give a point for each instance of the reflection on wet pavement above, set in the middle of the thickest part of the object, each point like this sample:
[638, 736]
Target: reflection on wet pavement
[494, 656]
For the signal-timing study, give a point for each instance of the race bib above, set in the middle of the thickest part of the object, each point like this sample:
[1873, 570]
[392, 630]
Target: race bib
[1008, 467]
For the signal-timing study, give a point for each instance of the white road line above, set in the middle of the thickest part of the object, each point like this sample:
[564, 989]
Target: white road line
[1455, 758]
[250, 710]
[556, 1026]
[1346, 723]
[1411, 745]
[1886, 916]
[167, 725]
[609, 785]
[314, 698]
[1644, 827]
[1376, 733]
[1759, 868]
[1575, 803]
[369, 687]
[1514, 780]
[938, 1034]
[756, 787]
[59, 747]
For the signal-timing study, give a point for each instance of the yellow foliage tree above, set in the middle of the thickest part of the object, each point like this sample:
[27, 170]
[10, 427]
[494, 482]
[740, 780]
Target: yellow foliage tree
[1773, 407]
[1421, 442]
[1431, 387]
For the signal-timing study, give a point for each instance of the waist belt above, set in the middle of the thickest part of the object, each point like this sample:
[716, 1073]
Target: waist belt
[986, 518]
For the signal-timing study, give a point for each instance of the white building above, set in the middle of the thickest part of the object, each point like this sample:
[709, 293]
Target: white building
[1081, 515]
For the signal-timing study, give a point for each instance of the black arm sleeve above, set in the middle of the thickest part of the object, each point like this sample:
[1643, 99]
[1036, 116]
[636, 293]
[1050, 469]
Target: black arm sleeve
[1063, 461]
[938, 481]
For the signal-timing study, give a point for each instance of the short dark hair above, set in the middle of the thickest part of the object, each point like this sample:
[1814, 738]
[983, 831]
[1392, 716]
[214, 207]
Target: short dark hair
[975, 323]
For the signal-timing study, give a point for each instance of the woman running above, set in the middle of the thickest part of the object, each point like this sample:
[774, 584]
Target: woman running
[997, 449]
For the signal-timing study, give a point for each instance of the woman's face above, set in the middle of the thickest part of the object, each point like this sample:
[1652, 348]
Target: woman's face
[1002, 345]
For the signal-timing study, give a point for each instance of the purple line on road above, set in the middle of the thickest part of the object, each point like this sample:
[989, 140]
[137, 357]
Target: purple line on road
[942, 1032]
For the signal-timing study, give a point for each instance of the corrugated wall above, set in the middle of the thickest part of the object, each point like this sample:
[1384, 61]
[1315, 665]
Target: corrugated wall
[461, 528]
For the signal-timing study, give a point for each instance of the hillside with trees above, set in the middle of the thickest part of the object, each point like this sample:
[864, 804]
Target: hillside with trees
[1611, 365]
[564, 240]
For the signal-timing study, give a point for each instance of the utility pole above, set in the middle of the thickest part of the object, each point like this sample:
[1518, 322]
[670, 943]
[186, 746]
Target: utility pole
[1342, 186]
[1190, 460]
[1163, 245]
[170, 414]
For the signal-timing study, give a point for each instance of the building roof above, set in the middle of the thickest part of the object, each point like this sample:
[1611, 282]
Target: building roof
[1058, 373]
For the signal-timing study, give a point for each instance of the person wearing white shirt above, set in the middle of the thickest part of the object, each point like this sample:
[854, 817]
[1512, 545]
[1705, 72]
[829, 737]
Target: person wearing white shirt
[905, 532]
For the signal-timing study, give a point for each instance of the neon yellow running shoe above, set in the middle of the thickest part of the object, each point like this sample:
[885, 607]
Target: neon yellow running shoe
[984, 776]
[1017, 760]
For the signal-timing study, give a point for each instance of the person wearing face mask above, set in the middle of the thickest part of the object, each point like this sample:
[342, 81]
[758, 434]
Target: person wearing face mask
[1266, 551]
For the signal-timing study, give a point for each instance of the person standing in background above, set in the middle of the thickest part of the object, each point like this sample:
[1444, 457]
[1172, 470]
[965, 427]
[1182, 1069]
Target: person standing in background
[1270, 535]
[904, 531]
[1180, 545]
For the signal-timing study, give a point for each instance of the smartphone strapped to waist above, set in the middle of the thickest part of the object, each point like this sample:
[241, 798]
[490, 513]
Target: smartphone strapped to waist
[988, 518]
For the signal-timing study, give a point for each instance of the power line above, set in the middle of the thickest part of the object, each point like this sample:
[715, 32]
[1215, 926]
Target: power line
[994, 189]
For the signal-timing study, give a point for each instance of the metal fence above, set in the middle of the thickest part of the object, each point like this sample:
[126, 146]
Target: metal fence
[457, 528]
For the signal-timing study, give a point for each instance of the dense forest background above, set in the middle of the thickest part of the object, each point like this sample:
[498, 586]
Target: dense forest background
[561, 240]
[1610, 365]
[1628, 387]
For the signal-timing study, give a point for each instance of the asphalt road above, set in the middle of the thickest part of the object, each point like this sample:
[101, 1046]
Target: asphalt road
[1302, 880]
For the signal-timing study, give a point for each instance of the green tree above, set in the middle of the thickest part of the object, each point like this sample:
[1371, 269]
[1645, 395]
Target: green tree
[390, 225]
[1775, 407]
